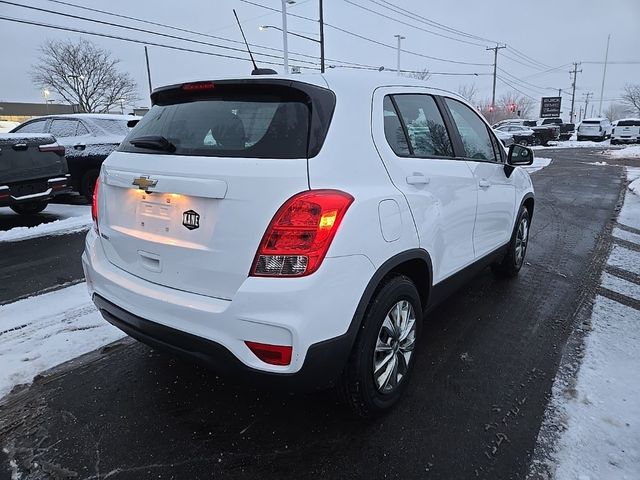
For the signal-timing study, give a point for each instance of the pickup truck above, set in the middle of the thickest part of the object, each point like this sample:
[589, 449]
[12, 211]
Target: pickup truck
[32, 171]
[543, 134]
[566, 129]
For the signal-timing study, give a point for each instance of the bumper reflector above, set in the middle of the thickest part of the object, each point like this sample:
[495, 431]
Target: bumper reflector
[271, 354]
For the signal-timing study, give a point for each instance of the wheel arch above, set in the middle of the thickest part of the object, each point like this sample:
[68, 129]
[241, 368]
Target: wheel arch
[415, 264]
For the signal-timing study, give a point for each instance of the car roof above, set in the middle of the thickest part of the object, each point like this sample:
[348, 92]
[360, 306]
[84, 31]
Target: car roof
[595, 119]
[340, 80]
[635, 119]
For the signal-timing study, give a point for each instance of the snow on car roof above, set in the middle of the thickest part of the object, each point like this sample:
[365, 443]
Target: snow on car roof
[595, 119]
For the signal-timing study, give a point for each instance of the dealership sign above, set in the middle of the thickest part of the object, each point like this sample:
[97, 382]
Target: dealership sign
[550, 107]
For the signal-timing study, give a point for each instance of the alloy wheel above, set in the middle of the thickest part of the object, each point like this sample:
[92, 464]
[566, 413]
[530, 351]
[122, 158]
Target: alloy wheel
[394, 346]
[522, 237]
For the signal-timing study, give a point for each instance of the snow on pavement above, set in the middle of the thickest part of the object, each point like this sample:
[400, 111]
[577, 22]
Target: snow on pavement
[573, 144]
[597, 413]
[43, 331]
[626, 152]
[538, 164]
[72, 218]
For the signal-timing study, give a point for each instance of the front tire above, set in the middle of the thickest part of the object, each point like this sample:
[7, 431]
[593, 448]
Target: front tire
[383, 355]
[513, 260]
[30, 208]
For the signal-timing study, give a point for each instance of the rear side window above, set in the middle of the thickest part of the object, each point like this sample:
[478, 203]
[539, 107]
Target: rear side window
[629, 123]
[33, 127]
[393, 129]
[62, 127]
[112, 127]
[428, 136]
[473, 132]
[237, 120]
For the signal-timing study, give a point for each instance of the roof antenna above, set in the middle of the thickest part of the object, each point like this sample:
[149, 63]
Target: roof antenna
[256, 70]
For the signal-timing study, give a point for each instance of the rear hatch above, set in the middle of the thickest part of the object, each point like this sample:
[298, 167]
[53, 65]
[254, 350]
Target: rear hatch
[590, 128]
[190, 192]
[627, 128]
[30, 156]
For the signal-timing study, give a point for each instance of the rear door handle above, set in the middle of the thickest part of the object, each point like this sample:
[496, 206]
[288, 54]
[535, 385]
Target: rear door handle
[79, 146]
[417, 179]
[484, 183]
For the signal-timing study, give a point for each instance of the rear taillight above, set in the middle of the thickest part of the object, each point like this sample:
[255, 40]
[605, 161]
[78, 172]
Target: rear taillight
[94, 204]
[300, 234]
[52, 147]
[198, 86]
[272, 354]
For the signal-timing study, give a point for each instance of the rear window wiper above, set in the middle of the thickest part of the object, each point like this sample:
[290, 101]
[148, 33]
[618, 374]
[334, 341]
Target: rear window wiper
[153, 142]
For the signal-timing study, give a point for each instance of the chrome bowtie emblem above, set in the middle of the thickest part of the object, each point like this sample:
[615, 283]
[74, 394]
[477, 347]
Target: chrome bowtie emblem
[144, 182]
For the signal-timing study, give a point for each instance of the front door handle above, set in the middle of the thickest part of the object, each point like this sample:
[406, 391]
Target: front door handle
[417, 179]
[484, 183]
[79, 146]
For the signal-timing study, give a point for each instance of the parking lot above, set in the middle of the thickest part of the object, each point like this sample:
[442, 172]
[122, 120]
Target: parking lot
[483, 379]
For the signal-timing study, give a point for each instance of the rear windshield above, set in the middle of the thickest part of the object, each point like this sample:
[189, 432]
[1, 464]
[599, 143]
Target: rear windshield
[529, 123]
[591, 122]
[231, 120]
[629, 123]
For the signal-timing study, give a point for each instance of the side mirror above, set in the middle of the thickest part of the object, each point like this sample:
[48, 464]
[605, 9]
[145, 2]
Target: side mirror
[519, 155]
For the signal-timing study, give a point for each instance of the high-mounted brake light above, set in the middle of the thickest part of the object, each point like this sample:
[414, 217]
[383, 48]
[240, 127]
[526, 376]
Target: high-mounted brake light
[298, 237]
[197, 86]
[272, 354]
[94, 204]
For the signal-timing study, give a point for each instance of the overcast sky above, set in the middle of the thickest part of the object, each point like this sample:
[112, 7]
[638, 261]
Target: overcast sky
[553, 33]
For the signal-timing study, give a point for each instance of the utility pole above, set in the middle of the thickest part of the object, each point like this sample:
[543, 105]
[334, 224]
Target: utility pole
[586, 102]
[321, 37]
[400, 38]
[146, 56]
[285, 47]
[495, 73]
[604, 74]
[574, 72]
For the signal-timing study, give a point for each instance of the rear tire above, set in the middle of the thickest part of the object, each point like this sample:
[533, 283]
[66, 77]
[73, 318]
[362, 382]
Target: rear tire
[523, 142]
[513, 260]
[87, 184]
[29, 208]
[383, 355]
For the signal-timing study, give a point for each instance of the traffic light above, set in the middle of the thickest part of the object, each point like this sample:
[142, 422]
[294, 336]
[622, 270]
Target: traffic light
[512, 107]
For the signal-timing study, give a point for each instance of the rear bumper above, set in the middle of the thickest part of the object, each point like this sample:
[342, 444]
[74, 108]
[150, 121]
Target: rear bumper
[45, 190]
[323, 363]
[630, 139]
[312, 314]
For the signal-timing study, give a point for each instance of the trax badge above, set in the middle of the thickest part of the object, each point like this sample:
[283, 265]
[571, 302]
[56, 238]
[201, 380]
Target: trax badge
[191, 219]
[144, 183]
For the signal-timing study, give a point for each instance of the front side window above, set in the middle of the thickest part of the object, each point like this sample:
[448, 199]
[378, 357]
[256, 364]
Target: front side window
[473, 132]
[425, 127]
[33, 127]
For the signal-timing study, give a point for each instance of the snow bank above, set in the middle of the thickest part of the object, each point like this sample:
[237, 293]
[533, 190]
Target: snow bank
[602, 436]
[72, 218]
[626, 152]
[538, 164]
[43, 331]
[573, 144]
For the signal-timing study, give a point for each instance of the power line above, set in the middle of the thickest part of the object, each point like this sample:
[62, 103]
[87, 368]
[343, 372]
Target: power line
[515, 88]
[411, 25]
[362, 37]
[133, 40]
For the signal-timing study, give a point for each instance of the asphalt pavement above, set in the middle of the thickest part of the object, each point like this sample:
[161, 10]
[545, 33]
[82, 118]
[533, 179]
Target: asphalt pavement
[487, 360]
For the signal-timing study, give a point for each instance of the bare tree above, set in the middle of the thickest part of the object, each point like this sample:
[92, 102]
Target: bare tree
[468, 91]
[521, 103]
[615, 111]
[83, 74]
[631, 97]
[420, 75]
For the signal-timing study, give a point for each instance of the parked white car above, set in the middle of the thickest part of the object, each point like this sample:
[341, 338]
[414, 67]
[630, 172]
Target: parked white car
[594, 129]
[296, 229]
[626, 130]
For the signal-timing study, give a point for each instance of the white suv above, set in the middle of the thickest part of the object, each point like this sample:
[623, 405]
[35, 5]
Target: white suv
[296, 229]
[626, 130]
[594, 129]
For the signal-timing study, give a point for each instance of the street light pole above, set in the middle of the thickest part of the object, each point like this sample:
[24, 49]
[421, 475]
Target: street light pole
[604, 74]
[285, 47]
[321, 37]
[400, 38]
